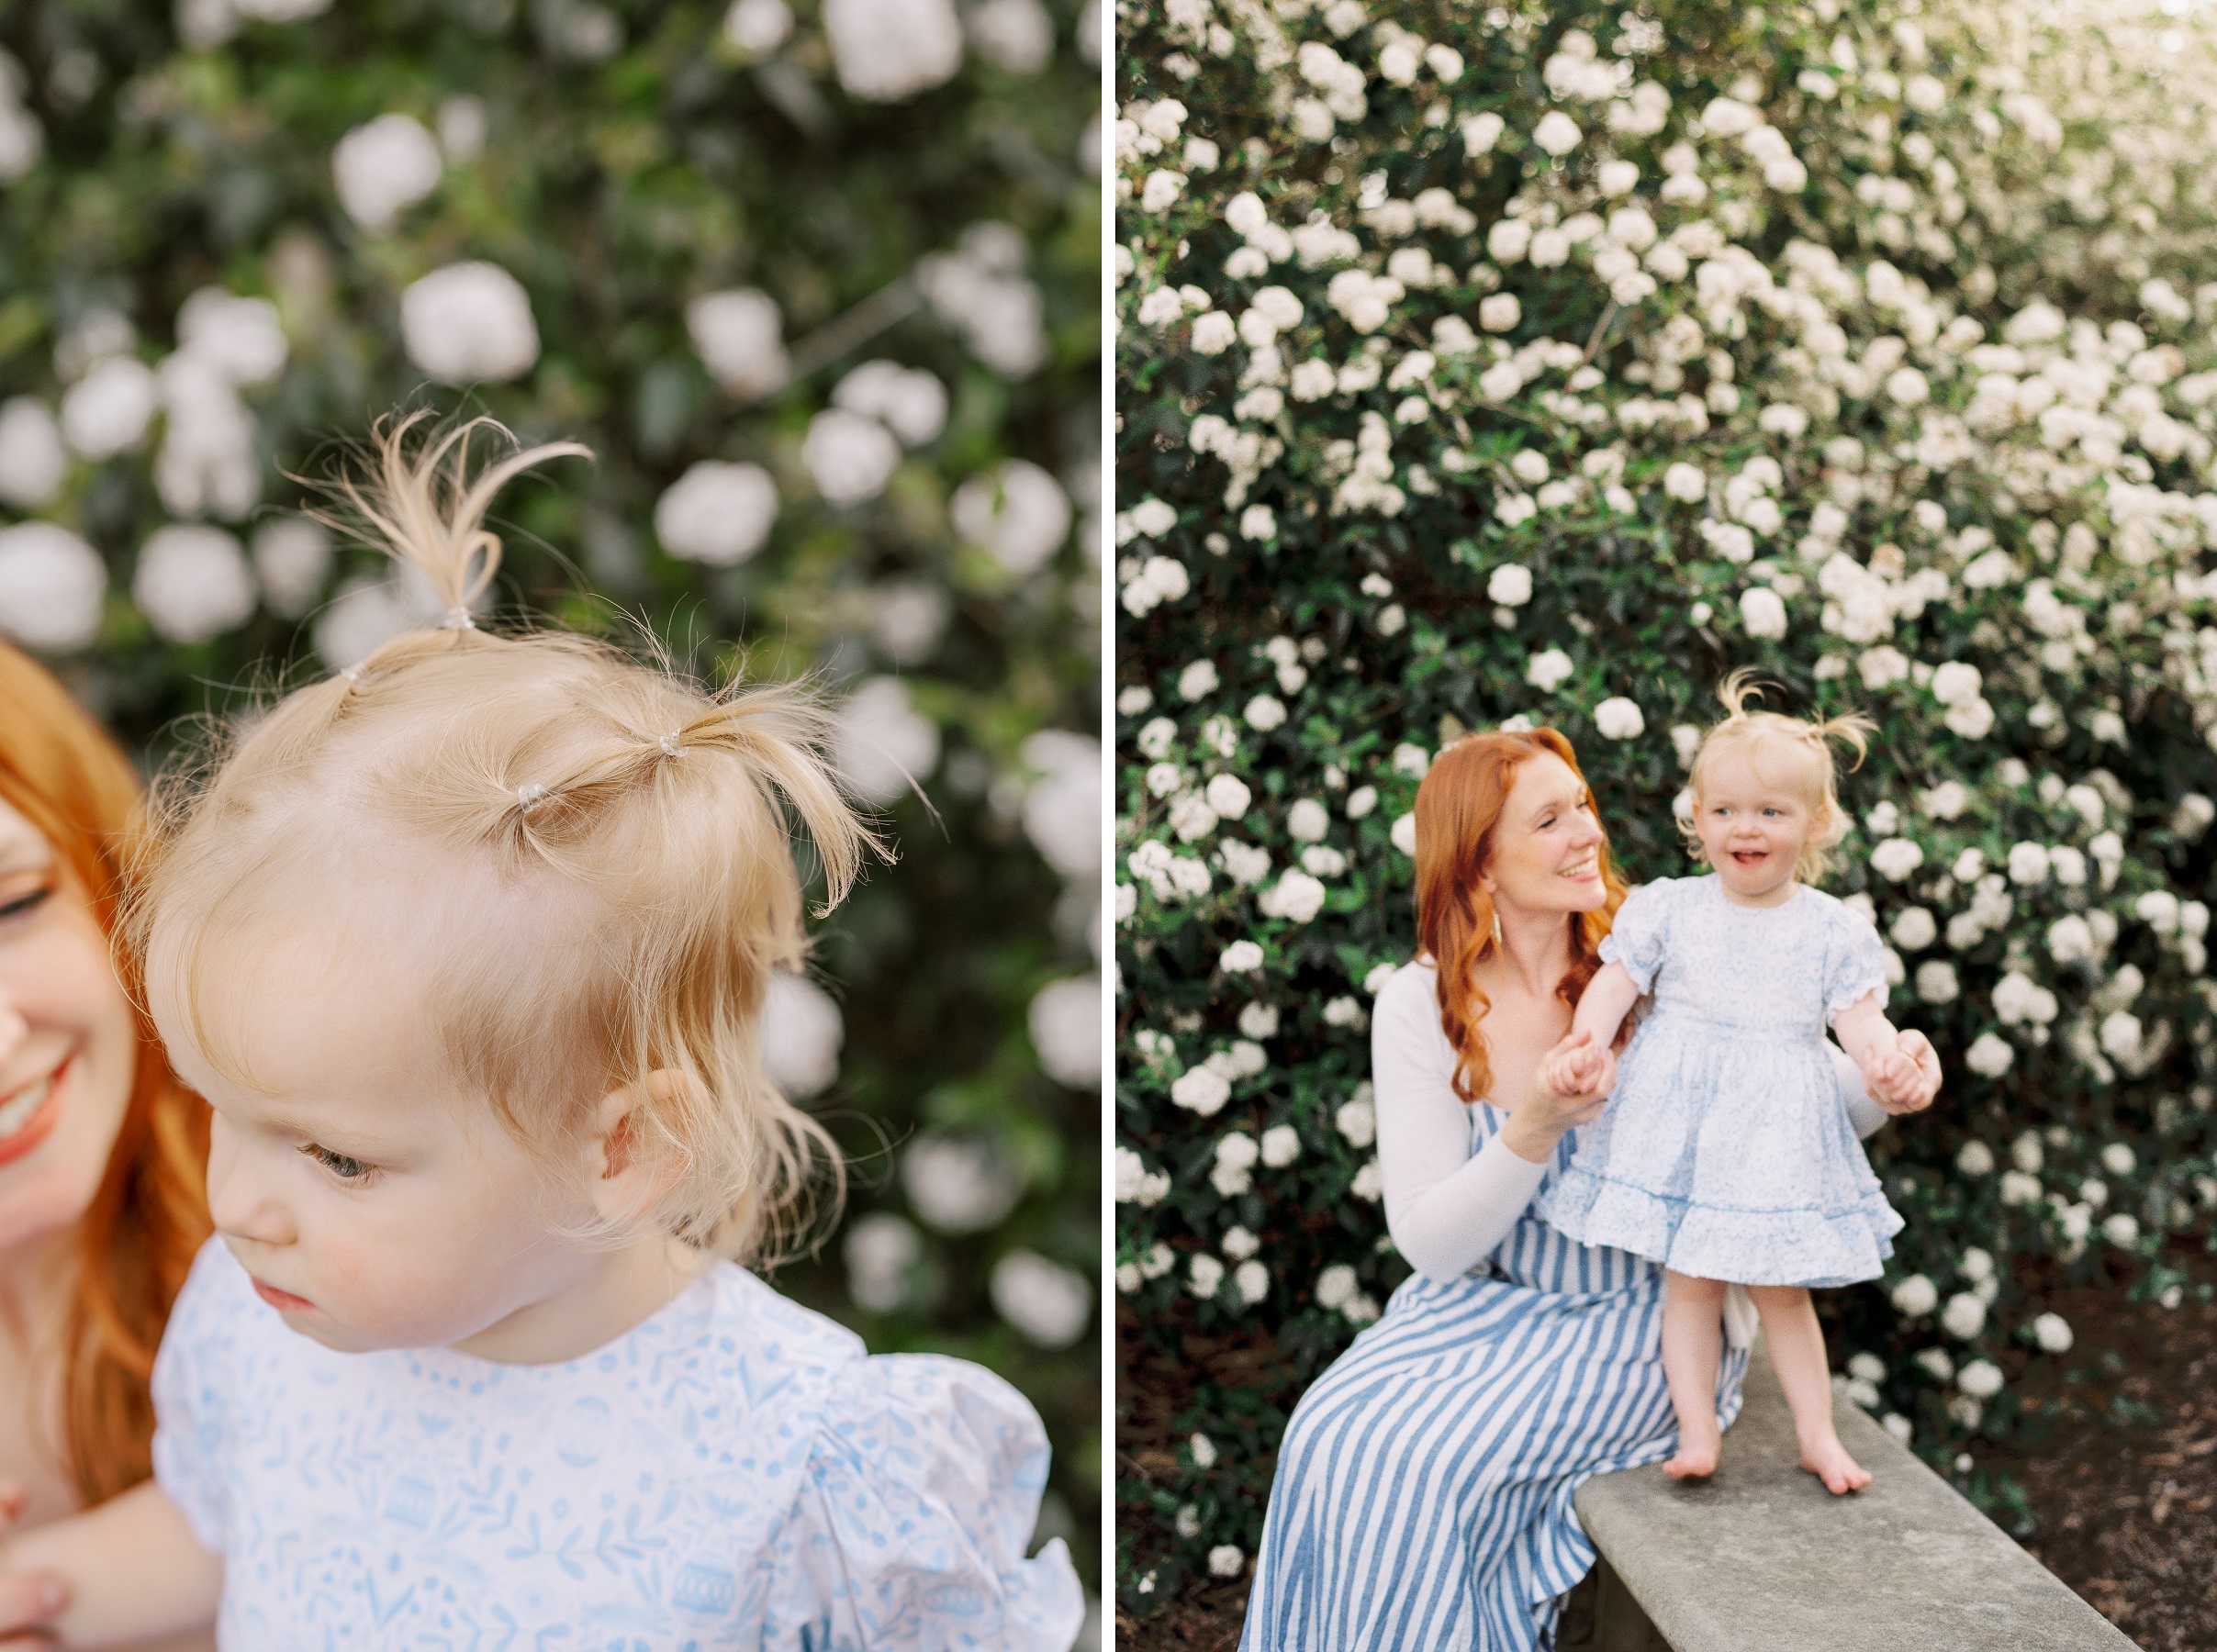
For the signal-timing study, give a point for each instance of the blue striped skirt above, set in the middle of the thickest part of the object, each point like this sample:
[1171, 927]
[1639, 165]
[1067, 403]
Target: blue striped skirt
[1422, 1501]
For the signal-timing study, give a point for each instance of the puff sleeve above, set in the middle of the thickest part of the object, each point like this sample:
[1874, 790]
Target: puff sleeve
[1640, 932]
[910, 1524]
[1854, 962]
[194, 1428]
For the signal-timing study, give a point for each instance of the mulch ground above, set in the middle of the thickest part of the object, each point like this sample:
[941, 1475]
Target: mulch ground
[2123, 1479]
[2118, 1467]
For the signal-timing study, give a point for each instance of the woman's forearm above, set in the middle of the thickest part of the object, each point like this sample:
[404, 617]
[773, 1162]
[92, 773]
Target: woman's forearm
[132, 1566]
[1865, 1114]
[1446, 1226]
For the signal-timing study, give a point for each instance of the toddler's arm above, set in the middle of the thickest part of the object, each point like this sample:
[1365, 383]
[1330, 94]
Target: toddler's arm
[1608, 999]
[1892, 1071]
[132, 1566]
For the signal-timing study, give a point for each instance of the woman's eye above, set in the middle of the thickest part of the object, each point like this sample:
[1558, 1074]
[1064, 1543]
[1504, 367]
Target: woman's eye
[346, 1169]
[20, 905]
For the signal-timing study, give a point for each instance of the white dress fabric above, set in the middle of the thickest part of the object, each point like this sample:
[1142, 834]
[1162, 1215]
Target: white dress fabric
[734, 1472]
[1724, 1152]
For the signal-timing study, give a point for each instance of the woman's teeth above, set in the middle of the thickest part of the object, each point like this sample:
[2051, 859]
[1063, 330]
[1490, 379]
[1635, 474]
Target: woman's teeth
[25, 1102]
[1584, 868]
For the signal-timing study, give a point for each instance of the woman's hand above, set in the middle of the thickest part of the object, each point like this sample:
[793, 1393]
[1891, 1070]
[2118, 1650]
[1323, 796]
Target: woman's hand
[1554, 1105]
[29, 1601]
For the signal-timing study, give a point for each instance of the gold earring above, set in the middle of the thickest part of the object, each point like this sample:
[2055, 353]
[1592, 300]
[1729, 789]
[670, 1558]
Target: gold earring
[1496, 926]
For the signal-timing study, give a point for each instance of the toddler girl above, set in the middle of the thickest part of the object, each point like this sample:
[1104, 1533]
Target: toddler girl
[1724, 1154]
[467, 948]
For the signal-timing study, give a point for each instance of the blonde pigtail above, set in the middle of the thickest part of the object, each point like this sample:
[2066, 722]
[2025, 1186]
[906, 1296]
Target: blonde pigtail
[783, 734]
[403, 513]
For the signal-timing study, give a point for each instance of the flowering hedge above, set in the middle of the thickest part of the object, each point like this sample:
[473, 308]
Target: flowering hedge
[818, 284]
[1541, 364]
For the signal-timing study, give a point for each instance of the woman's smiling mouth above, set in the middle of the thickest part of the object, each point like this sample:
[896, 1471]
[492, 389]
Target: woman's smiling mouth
[29, 1115]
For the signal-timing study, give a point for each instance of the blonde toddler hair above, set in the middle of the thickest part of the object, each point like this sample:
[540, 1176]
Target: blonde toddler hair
[596, 852]
[1809, 745]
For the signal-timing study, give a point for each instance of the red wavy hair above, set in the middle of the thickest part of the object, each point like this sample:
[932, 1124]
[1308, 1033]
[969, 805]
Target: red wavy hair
[1457, 808]
[135, 1240]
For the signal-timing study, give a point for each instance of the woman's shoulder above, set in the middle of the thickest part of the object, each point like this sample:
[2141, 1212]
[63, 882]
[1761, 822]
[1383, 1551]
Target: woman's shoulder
[1416, 980]
[1409, 1002]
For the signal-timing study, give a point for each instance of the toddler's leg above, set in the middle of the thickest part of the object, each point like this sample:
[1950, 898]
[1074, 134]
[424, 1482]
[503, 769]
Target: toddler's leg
[1797, 1343]
[1693, 1336]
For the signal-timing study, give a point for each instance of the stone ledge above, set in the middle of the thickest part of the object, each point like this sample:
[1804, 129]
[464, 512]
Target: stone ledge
[1761, 1558]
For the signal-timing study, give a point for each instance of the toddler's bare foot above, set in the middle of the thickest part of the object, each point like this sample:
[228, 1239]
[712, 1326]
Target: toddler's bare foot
[1696, 1459]
[1828, 1459]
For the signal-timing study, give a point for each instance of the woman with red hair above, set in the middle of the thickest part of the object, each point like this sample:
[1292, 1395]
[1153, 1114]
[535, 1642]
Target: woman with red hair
[102, 1153]
[1423, 1492]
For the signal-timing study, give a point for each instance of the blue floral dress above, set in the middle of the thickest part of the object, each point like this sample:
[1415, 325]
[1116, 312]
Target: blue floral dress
[1724, 1152]
[735, 1474]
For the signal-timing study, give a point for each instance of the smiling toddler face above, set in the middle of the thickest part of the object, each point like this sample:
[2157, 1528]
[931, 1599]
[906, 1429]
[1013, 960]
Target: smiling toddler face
[1757, 802]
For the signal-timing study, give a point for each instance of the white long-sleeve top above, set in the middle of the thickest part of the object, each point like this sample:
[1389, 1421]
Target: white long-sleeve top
[1445, 1206]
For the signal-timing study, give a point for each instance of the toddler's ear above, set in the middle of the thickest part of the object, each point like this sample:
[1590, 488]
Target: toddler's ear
[636, 1162]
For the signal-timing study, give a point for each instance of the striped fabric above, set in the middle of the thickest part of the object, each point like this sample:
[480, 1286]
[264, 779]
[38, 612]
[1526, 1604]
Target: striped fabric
[1423, 1493]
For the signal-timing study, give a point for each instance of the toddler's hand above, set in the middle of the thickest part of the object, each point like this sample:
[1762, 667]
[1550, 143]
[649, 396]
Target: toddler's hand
[1923, 1062]
[1893, 1079]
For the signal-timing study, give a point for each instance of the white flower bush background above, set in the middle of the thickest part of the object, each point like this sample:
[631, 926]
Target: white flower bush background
[819, 285]
[1485, 366]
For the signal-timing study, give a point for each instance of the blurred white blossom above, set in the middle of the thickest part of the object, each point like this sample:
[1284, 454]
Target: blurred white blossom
[959, 1184]
[33, 463]
[1016, 512]
[193, 583]
[852, 458]
[1048, 1304]
[879, 1249]
[1065, 1022]
[469, 322]
[106, 411]
[883, 745]
[718, 513]
[52, 584]
[801, 1032]
[739, 337]
[888, 49]
[385, 166]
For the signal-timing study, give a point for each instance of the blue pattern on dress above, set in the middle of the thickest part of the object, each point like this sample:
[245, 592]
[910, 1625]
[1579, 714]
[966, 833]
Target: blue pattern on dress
[1724, 1152]
[1422, 1501]
[732, 1473]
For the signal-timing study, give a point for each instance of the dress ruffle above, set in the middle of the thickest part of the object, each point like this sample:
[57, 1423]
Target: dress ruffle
[1818, 1249]
[920, 1498]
